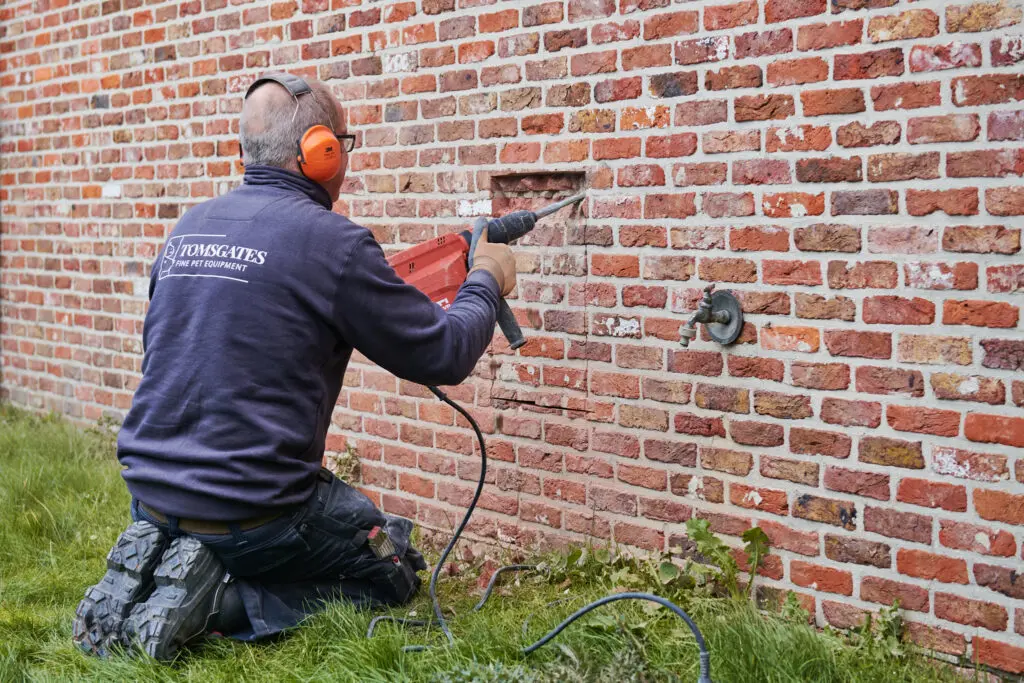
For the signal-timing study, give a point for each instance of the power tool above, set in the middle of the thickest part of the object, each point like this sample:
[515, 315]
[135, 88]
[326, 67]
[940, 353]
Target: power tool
[439, 266]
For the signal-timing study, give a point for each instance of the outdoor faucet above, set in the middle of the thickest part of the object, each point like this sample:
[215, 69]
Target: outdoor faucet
[721, 314]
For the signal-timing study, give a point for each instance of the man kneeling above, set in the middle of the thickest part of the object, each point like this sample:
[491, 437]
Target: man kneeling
[257, 301]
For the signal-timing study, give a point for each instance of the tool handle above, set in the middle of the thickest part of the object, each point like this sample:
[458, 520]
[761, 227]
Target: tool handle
[506, 320]
[510, 227]
[510, 326]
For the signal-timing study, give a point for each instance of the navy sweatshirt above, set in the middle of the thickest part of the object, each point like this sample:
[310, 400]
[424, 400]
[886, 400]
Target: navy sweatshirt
[256, 302]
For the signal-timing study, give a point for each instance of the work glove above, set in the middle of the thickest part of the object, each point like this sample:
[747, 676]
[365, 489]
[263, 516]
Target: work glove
[496, 259]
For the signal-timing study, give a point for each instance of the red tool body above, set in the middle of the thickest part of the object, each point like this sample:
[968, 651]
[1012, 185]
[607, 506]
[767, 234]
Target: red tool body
[436, 267]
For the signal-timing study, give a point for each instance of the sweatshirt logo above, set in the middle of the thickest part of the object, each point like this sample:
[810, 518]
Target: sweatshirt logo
[208, 256]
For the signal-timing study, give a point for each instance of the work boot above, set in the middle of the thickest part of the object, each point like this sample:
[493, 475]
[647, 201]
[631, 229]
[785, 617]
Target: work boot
[129, 579]
[189, 583]
[229, 616]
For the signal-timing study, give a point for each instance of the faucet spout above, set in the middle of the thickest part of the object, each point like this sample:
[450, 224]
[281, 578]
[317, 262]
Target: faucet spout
[720, 313]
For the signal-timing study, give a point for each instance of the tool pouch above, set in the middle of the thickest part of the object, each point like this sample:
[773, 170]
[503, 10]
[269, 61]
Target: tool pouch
[396, 581]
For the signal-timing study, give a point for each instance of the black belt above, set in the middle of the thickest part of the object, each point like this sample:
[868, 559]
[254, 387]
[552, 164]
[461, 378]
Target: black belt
[202, 526]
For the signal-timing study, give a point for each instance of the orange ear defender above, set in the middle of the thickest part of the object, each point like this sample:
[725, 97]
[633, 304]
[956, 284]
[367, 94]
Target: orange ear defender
[319, 150]
[319, 154]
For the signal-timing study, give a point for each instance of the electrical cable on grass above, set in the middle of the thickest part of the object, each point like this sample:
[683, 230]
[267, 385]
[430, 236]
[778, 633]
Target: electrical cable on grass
[494, 579]
[465, 520]
[705, 656]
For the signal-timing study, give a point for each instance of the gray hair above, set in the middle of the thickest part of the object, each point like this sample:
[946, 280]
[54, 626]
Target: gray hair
[270, 133]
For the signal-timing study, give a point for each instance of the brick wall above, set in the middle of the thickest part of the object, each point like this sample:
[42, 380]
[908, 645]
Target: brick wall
[851, 169]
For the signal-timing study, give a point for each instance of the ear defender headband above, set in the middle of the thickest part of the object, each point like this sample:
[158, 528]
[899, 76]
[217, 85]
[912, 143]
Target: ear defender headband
[319, 150]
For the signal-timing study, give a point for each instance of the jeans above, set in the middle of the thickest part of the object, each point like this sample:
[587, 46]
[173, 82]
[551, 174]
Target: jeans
[287, 568]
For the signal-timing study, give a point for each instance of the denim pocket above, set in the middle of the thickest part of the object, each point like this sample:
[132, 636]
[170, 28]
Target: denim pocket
[260, 556]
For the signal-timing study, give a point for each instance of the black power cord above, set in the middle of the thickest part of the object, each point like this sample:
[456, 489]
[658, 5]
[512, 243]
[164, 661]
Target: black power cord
[705, 656]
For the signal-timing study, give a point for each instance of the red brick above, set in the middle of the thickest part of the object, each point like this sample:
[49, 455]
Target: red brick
[697, 425]
[668, 25]
[791, 272]
[673, 84]
[722, 204]
[879, 450]
[733, 77]
[707, 363]
[856, 134]
[763, 43]
[851, 413]
[730, 16]
[932, 494]
[843, 616]
[612, 32]
[816, 442]
[935, 639]
[868, 64]
[975, 388]
[1000, 579]
[805, 339]
[797, 71]
[646, 477]
[821, 578]
[924, 565]
[857, 551]
[638, 536]
[903, 26]
[829, 170]
[981, 16]
[826, 102]
[641, 175]
[966, 464]
[757, 433]
[646, 57]
[764, 107]
[905, 525]
[885, 592]
[829, 35]
[1005, 201]
[723, 460]
[619, 444]
[858, 344]
[826, 510]
[762, 368]
[701, 50]
[789, 470]
[1006, 125]
[894, 310]
[980, 313]
[998, 506]
[684, 454]
[765, 500]
[664, 510]
[869, 484]
[976, 539]
[970, 612]
[613, 501]
[784, 10]
[803, 138]
[669, 205]
[1001, 656]
[971, 91]
[585, 10]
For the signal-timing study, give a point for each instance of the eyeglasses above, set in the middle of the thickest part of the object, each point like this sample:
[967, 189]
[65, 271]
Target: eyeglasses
[348, 141]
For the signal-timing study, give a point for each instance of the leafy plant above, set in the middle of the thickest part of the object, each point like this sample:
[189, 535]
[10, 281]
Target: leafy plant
[345, 465]
[756, 546]
[881, 637]
[792, 611]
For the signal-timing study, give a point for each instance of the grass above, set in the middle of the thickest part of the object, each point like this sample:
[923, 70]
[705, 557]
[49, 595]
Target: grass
[62, 504]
